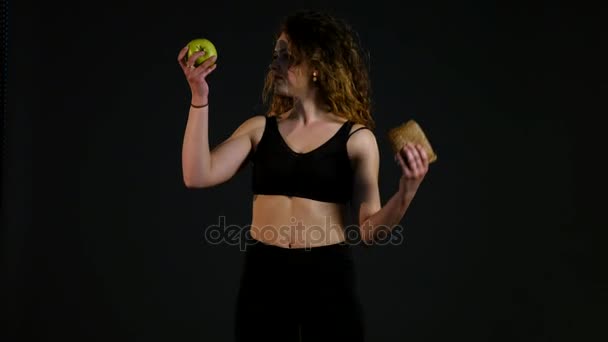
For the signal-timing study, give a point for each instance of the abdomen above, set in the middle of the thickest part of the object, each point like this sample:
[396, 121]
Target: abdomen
[296, 222]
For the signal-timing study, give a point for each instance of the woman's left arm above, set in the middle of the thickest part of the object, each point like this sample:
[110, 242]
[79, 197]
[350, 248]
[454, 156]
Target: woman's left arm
[372, 216]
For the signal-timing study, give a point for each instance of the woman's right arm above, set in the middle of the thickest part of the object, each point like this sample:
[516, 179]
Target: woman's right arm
[201, 166]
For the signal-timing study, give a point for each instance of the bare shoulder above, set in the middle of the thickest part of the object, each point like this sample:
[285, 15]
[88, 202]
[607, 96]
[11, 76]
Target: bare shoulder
[254, 128]
[250, 128]
[250, 125]
[361, 143]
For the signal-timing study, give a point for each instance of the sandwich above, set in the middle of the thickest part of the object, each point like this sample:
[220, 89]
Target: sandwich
[410, 132]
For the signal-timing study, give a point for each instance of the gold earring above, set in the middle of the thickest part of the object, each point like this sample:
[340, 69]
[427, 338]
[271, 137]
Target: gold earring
[314, 76]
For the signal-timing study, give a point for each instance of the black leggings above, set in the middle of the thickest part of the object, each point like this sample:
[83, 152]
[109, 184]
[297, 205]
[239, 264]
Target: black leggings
[298, 294]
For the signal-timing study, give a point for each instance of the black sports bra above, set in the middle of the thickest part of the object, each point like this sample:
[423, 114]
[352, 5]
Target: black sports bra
[323, 174]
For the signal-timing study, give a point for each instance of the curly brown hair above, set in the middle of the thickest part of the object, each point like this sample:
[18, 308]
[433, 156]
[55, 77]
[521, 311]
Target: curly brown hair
[330, 45]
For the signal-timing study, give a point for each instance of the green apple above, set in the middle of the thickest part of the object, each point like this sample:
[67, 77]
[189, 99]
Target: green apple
[199, 44]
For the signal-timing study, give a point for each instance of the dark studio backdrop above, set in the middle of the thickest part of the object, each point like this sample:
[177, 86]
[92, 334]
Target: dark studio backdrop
[101, 240]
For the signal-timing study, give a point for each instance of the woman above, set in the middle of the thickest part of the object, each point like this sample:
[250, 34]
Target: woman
[315, 159]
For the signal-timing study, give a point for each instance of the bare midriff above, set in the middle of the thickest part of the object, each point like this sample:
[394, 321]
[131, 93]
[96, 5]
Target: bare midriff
[296, 222]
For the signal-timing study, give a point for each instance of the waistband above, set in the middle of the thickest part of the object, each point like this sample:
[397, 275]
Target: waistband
[343, 250]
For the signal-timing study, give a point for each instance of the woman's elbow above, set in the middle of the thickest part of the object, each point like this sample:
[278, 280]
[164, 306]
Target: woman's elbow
[366, 235]
[194, 183]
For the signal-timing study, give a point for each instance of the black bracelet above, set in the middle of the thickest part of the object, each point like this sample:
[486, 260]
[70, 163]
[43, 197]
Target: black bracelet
[195, 106]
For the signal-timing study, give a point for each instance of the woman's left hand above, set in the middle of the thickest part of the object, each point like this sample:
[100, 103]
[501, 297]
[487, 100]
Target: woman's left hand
[413, 171]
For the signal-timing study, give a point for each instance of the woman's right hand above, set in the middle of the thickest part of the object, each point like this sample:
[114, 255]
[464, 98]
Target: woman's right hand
[196, 75]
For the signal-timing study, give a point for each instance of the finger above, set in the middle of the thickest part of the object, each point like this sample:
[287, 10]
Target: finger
[191, 61]
[204, 72]
[207, 63]
[422, 165]
[417, 159]
[182, 59]
[209, 70]
[181, 55]
[203, 68]
[410, 158]
[423, 157]
[404, 168]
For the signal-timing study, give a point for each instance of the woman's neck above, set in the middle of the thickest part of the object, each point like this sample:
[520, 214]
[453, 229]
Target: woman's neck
[308, 111]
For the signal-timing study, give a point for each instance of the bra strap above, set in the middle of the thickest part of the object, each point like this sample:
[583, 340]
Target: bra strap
[358, 129]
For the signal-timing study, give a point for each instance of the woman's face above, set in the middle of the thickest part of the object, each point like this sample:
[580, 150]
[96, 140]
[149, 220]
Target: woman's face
[290, 80]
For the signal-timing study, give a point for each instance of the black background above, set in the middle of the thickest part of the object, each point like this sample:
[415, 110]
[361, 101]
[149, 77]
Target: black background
[102, 241]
